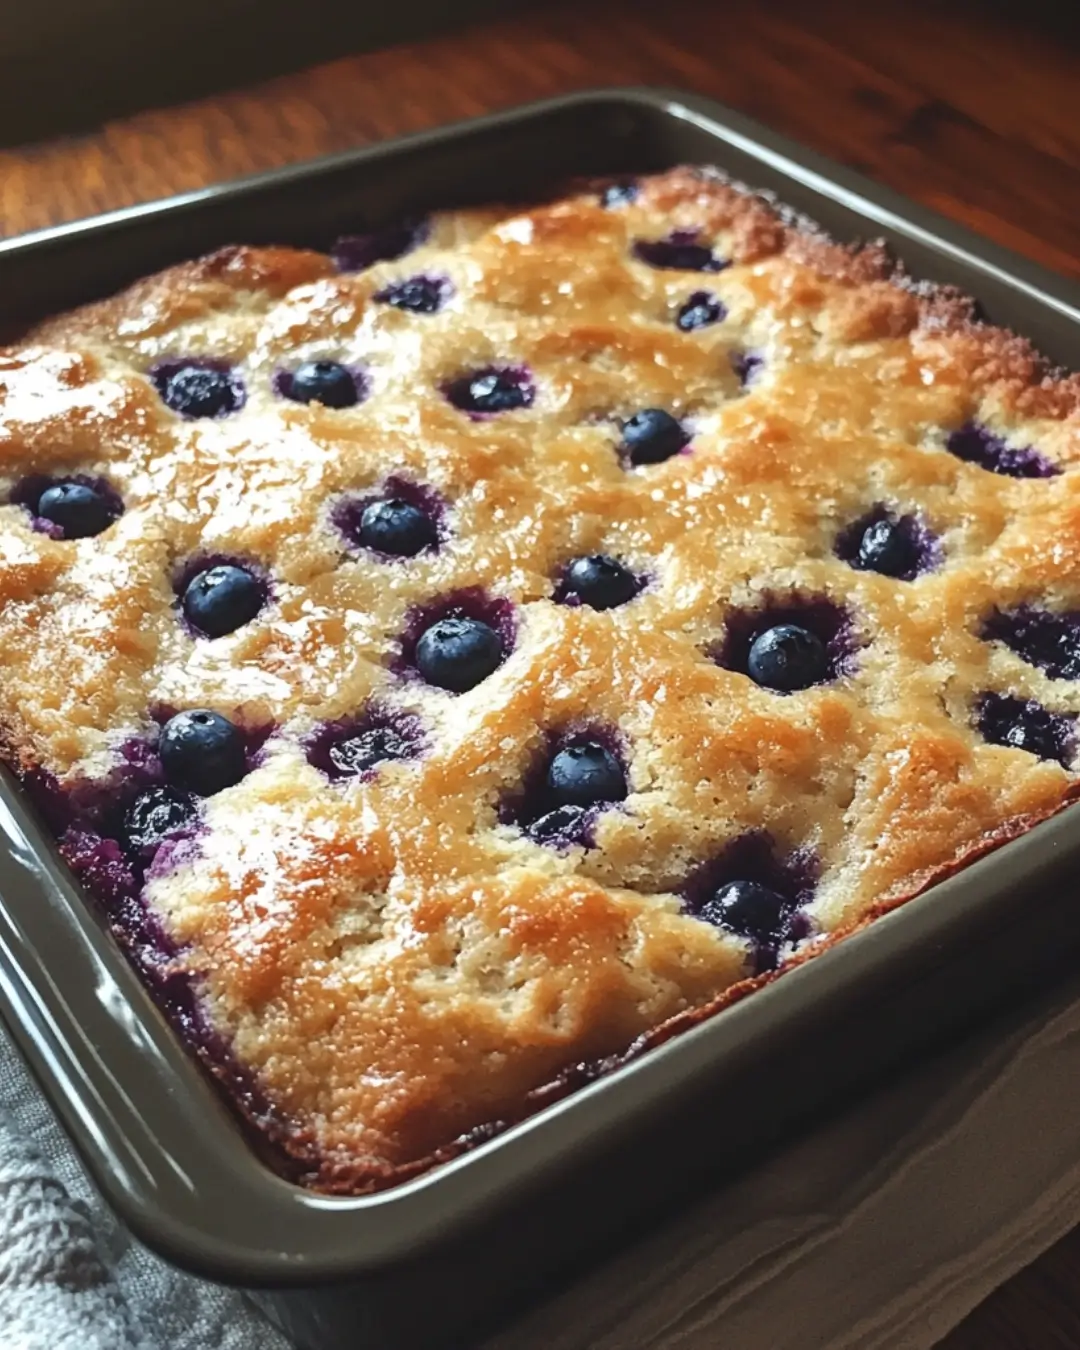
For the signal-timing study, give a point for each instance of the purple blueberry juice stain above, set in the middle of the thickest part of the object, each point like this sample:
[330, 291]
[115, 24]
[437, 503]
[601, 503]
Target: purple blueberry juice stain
[897, 546]
[539, 808]
[351, 749]
[1050, 641]
[747, 366]
[356, 252]
[752, 889]
[975, 443]
[348, 516]
[491, 390]
[1023, 724]
[682, 251]
[828, 624]
[422, 294]
[198, 387]
[29, 491]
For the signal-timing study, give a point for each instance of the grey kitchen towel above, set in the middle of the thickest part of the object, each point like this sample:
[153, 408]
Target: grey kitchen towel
[879, 1231]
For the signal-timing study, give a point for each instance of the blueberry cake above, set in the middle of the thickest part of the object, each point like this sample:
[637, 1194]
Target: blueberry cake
[456, 661]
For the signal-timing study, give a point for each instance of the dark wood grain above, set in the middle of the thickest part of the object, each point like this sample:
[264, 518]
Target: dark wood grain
[970, 107]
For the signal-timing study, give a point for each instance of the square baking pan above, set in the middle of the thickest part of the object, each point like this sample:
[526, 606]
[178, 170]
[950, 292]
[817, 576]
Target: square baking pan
[439, 1259]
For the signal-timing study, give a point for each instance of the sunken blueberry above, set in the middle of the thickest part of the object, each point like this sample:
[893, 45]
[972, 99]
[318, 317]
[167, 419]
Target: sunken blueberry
[584, 774]
[156, 814]
[898, 547]
[457, 652]
[397, 527]
[355, 252]
[680, 251]
[326, 382]
[222, 599]
[79, 509]
[787, 658]
[495, 390]
[198, 388]
[1023, 724]
[599, 581]
[750, 909]
[360, 751]
[202, 751]
[417, 295]
[977, 444]
[699, 311]
[747, 366]
[651, 436]
[1048, 640]
[619, 194]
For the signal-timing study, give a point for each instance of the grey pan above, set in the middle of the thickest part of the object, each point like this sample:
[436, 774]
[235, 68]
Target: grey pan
[436, 1260]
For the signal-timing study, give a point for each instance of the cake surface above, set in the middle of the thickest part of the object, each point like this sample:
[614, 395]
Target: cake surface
[449, 658]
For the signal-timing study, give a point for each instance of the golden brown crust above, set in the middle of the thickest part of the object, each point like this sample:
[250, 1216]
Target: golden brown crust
[397, 970]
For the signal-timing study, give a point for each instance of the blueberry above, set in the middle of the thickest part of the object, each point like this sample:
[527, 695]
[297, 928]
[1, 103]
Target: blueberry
[977, 444]
[491, 391]
[326, 382]
[680, 251]
[202, 751]
[417, 295]
[747, 366]
[651, 436]
[360, 751]
[564, 825]
[619, 194]
[599, 581]
[222, 599]
[396, 527]
[156, 814]
[1042, 638]
[355, 252]
[194, 390]
[889, 548]
[699, 311]
[585, 774]
[1025, 725]
[80, 510]
[456, 653]
[749, 909]
[786, 658]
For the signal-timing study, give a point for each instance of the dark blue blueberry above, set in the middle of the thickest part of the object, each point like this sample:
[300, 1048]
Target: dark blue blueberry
[417, 295]
[456, 653]
[651, 436]
[585, 774]
[977, 444]
[619, 194]
[680, 251]
[326, 382]
[396, 527]
[202, 751]
[78, 509]
[197, 389]
[750, 909]
[599, 581]
[787, 658]
[222, 599]
[155, 815]
[354, 252]
[359, 751]
[1026, 725]
[495, 390]
[699, 311]
[1041, 638]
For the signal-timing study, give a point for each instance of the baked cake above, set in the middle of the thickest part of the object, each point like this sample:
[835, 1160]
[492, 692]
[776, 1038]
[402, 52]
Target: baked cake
[459, 659]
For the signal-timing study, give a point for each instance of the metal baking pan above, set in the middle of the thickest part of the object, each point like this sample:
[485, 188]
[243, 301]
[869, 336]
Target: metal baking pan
[440, 1259]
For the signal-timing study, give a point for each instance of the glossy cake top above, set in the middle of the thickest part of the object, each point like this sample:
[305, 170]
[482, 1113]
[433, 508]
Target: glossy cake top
[451, 657]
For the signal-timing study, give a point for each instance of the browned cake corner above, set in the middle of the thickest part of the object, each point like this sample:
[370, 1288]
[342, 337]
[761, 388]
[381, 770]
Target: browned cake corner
[477, 653]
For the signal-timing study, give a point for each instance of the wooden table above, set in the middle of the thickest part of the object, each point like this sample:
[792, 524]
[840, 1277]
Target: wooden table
[970, 106]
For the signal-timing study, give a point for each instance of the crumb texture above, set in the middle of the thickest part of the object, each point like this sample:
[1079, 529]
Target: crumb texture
[389, 953]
